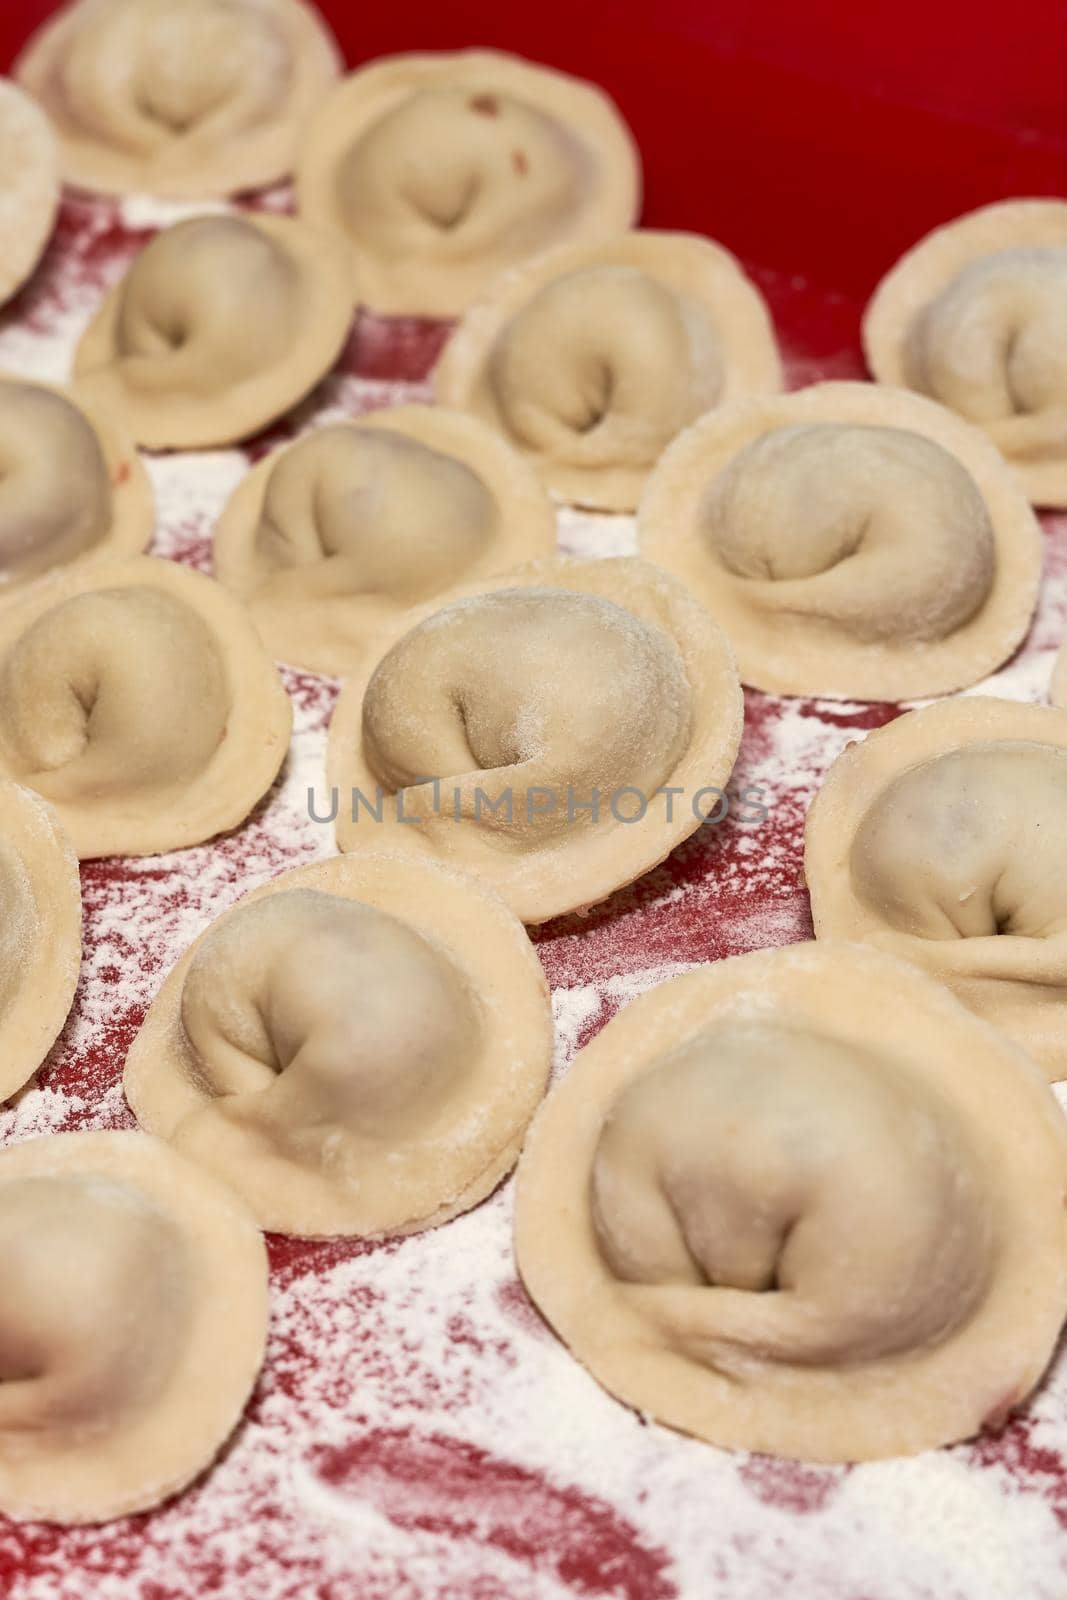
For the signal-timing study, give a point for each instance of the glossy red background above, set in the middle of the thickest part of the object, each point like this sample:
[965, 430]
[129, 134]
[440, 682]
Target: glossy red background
[821, 137]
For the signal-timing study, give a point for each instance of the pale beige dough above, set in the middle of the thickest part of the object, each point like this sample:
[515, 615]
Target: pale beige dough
[29, 187]
[136, 698]
[331, 538]
[851, 540]
[40, 933]
[802, 1202]
[357, 1047]
[443, 170]
[72, 486]
[531, 698]
[975, 315]
[592, 358]
[940, 839]
[221, 324]
[132, 1327]
[183, 98]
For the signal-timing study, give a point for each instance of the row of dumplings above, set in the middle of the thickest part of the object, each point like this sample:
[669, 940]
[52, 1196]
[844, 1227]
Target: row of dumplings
[855, 540]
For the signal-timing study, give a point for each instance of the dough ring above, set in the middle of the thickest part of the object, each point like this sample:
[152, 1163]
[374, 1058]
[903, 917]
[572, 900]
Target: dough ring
[40, 933]
[975, 315]
[851, 540]
[132, 1327]
[357, 1047]
[136, 698]
[182, 98]
[556, 731]
[593, 358]
[802, 1202]
[221, 324]
[329, 539]
[940, 839]
[444, 170]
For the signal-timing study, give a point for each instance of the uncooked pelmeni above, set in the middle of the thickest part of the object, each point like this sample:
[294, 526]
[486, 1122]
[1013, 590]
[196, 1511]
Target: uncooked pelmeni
[851, 540]
[592, 358]
[179, 97]
[72, 486]
[333, 537]
[136, 698]
[975, 315]
[556, 731]
[221, 324]
[940, 838]
[132, 1328]
[443, 170]
[40, 933]
[357, 1047]
[802, 1202]
[29, 186]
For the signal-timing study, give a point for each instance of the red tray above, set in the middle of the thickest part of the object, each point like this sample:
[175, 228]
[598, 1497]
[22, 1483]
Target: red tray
[418, 1434]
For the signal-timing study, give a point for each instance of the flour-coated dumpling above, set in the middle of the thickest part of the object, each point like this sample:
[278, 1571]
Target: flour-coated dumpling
[802, 1202]
[940, 838]
[975, 315]
[851, 540]
[40, 933]
[357, 1047]
[443, 170]
[136, 698]
[72, 486]
[329, 539]
[533, 726]
[179, 97]
[29, 187]
[132, 1326]
[221, 324]
[592, 358]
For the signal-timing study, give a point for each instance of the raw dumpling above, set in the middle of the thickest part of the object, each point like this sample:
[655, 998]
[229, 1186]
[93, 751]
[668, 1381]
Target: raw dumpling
[221, 324]
[940, 838]
[179, 97]
[29, 187]
[71, 484]
[136, 698]
[132, 1326]
[851, 541]
[593, 358]
[802, 1202]
[975, 315]
[357, 1047]
[331, 538]
[40, 934]
[443, 170]
[556, 731]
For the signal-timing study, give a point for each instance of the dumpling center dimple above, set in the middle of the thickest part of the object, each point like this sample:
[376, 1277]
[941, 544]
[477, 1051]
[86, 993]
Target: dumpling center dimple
[596, 367]
[822, 1184]
[969, 844]
[993, 343]
[539, 687]
[388, 514]
[877, 531]
[309, 1012]
[94, 1306]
